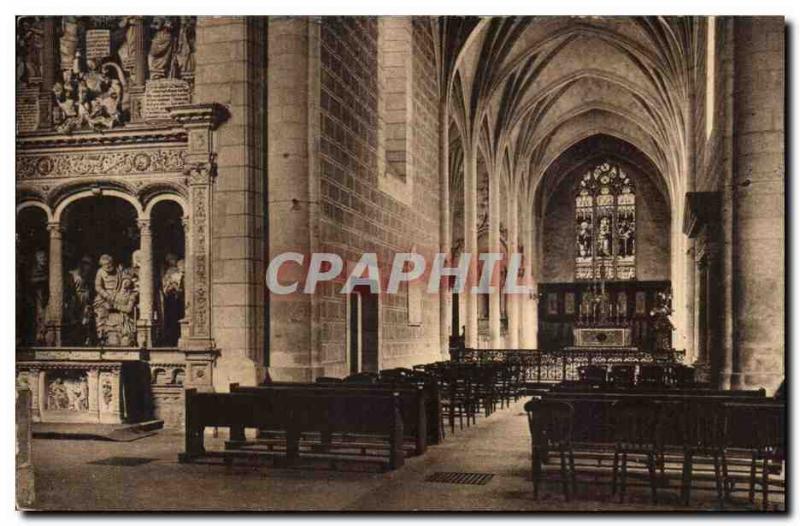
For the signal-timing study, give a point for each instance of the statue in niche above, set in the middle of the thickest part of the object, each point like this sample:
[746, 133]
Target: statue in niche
[115, 304]
[68, 43]
[183, 59]
[162, 46]
[29, 48]
[126, 51]
[91, 97]
[172, 298]
[38, 295]
[78, 314]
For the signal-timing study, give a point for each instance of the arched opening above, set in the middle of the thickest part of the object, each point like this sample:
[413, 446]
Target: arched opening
[32, 276]
[169, 252]
[101, 272]
[605, 243]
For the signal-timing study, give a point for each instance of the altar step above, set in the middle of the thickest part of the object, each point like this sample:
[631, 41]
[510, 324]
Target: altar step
[113, 432]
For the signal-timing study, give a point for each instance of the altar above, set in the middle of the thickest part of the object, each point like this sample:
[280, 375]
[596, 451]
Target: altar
[97, 386]
[613, 336]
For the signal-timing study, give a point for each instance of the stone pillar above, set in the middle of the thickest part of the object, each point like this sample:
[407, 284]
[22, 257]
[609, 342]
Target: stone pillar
[56, 282]
[758, 203]
[495, 336]
[137, 67]
[513, 300]
[471, 243]
[444, 224]
[139, 51]
[185, 323]
[293, 124]
[530, 302]
[49, 59]
[145, 321]
[197, 329]
[721, 362]
[689, 298]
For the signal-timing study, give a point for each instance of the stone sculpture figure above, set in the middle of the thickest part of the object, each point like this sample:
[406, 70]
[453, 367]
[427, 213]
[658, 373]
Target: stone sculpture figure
[29, 48]
[38, 295]
[91, 98]
[78, 315]
[68, 43]
[68, 394]
[115, 304]
[183, 61]
[126, 51]
[159, 59]
[172, 298]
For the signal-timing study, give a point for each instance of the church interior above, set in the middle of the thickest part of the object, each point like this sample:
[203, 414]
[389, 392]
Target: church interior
[629, 172]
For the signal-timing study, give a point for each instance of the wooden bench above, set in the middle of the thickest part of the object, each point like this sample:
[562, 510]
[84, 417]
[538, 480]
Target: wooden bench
[419, 405]
[295, 411]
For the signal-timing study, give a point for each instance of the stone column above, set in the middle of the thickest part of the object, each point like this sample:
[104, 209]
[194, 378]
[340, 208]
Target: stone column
[139, 51]
[444, 224]
[758, 203]
[185, 323]
[700, 318]
[56, 282]
[721, 363]
[530, 302]
[513, 300]
[471, 243]
[293, 121]
[145, 322]
[495, 335]
[138, 68]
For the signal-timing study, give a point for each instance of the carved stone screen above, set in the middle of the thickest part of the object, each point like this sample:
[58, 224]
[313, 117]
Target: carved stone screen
[605, 218]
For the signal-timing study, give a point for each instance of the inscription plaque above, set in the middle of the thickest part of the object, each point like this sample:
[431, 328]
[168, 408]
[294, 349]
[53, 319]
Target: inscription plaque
[98, 44]
[27, 109]
[161, 94]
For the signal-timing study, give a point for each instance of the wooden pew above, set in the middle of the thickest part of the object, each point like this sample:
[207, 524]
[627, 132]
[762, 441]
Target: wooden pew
[294, 412]
[430, 392]
[232, 410]
[593, 409]
[415, 401]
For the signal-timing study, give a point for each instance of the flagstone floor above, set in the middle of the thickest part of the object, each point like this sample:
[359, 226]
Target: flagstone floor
[82, 475]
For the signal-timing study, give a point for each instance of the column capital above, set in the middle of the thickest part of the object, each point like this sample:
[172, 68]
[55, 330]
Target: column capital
[144, 225]
[55, 229]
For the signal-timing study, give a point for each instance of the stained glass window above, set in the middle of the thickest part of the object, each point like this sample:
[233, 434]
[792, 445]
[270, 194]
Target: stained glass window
[605, 218]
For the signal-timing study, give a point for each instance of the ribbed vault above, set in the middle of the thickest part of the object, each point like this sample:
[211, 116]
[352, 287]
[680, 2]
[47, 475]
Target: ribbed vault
[522, 91]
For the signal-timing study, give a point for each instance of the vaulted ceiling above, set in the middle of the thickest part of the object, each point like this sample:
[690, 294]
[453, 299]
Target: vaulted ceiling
[523, 90]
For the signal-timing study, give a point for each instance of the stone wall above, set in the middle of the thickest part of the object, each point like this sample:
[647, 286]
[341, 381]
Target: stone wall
[356, 216]
[230, 67]
[652, 231]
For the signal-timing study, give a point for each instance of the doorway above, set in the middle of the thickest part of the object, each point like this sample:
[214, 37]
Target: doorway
[362, 331]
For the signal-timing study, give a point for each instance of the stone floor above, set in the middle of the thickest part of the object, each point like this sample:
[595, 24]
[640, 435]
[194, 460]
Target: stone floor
[68, 477]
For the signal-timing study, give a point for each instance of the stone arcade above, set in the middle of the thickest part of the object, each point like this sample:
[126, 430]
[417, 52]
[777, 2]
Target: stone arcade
[162, 162]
